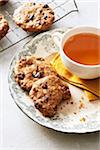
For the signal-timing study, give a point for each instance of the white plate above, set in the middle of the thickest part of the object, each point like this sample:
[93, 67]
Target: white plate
[70, 118]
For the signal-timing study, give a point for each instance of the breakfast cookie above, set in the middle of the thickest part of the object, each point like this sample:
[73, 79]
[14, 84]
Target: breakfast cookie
[4, 27]
[47, 93]
[34, 17]
[3, 2]
[30, 69]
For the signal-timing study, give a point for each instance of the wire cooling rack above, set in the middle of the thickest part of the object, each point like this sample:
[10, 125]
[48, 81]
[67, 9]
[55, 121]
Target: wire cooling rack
[15, 34]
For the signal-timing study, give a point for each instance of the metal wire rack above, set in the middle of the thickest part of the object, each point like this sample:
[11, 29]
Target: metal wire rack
[16, 34]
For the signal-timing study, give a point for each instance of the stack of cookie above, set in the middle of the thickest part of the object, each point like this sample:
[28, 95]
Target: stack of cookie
[42, 83]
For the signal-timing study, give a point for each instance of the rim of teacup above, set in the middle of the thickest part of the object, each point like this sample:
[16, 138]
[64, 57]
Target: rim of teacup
[89, 30]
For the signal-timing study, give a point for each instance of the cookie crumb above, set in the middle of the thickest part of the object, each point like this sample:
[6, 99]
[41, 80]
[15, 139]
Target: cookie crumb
[82, 98]
[82, 119]
[81, 105]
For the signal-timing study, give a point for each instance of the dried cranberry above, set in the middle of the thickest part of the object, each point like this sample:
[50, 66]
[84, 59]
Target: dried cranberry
[41, 11]
[31, 17]
[37, 105]
[38, 75]
[45, 6]
[39, 23]
[45, 17]
[21, 76]
[52, 13]
[42, 59]
[44, 86]
[46, 98]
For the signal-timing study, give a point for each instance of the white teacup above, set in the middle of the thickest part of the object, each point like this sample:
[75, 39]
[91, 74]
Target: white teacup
[81, 70]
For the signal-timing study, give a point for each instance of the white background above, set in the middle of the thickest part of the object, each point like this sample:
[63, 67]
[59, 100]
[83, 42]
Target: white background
[17, 132]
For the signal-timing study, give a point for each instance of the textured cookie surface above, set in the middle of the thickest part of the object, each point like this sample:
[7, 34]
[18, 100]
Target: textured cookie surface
[34, 17]
[4, 27]
[47, 93]
[29, 69]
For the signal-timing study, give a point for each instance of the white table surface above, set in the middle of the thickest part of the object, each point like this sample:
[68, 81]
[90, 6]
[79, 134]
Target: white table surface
[17, 132]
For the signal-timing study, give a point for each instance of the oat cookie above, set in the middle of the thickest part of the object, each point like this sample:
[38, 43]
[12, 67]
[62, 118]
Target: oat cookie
[34, 17]
[29, 69]
[4, 27]
[47, 93]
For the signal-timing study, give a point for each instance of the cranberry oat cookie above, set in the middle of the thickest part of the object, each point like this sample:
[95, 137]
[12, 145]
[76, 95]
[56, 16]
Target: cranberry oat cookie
[34, 17]
[4, 27]
[47, 93]
[29, 69]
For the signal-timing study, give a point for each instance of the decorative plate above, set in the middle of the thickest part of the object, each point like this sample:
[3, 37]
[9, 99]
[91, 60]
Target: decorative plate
[71, 117]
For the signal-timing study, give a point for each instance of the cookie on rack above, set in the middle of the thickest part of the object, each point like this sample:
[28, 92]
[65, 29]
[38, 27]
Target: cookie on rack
[4, 26]
[34, 17]
[3, 2]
